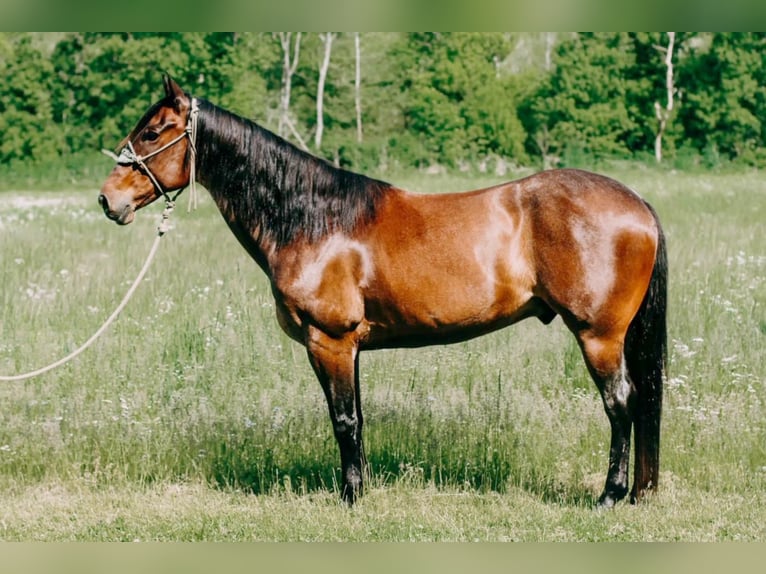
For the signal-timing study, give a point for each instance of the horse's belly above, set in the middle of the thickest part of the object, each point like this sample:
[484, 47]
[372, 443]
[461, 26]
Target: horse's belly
[391, 336]
[416, 322]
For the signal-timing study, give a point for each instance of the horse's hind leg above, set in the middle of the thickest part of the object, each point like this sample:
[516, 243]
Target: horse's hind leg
[604, 357]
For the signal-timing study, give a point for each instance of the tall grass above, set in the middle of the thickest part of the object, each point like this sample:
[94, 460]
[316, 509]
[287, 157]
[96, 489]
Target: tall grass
[196, 383]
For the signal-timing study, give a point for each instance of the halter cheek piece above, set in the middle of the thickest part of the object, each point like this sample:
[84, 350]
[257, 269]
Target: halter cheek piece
[128, 156]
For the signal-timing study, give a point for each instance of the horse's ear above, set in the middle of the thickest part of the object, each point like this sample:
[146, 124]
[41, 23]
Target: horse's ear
[171, 88]
[167, 82]
[174, 91]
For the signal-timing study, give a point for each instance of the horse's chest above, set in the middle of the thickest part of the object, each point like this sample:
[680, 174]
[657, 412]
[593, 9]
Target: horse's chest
[289, 320]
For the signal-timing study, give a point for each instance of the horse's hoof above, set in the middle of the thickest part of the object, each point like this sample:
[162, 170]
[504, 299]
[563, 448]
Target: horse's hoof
[609, 499]
[605, 502]
[352, 490]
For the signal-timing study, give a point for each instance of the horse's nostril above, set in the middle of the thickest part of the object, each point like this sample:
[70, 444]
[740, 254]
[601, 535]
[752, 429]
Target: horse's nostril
[103, 202]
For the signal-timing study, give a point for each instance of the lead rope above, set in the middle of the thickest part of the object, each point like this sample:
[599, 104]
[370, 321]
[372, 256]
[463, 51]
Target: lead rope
[161, 230]
[191, 128]
[129, 156]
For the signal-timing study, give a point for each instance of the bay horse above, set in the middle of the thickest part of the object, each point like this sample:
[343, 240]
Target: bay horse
[357, 264]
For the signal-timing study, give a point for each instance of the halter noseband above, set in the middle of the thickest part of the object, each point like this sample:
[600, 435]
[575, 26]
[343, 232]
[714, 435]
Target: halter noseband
[128, 155]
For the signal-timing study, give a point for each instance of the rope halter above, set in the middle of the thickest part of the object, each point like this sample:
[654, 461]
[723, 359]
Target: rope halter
[128, 156]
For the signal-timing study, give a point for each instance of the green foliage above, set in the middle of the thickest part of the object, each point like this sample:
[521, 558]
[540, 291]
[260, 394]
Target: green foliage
[648, 76]
[726, 93]
[583, 104]
[445, 98]
[110, 79]
[457, 102]
[26, 106]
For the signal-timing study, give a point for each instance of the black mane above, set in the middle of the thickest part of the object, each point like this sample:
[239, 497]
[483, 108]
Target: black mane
[274, 188]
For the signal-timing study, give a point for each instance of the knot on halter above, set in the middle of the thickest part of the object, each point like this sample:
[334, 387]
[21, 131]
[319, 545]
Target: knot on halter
[164, 225]
[128, 156]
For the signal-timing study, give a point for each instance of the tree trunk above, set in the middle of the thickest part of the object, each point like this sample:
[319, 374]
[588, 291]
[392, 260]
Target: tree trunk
[550, 42]
[327, 39]
[358, 87]
[663, 114]
[289, 65]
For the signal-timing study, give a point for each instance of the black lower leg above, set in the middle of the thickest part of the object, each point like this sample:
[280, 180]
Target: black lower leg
[348, 435]
[616, 486]
[617, 396]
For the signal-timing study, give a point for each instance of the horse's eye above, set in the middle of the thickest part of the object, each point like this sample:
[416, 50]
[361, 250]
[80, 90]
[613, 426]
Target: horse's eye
[149, 136]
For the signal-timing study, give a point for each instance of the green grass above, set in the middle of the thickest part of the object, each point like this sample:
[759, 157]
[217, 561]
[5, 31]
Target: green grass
[195, 418]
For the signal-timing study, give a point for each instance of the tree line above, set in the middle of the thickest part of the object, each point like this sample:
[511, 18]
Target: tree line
[382, 100]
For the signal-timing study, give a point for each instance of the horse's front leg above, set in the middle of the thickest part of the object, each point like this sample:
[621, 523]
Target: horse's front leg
[336, 364]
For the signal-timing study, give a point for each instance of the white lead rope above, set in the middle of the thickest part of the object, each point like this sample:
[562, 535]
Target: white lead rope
[161, 229]
[128, 156]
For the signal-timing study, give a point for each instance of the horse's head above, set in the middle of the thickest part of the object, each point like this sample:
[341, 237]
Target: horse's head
[154, 158]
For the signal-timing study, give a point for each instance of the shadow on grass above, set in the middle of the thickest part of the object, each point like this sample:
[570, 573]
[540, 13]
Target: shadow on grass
[262, 468]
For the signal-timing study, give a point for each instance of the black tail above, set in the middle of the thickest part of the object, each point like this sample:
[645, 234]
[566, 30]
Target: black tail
[646, 346]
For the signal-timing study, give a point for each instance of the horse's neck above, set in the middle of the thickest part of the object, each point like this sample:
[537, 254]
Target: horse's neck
[270, 193]
[255, 243]
[228, 172]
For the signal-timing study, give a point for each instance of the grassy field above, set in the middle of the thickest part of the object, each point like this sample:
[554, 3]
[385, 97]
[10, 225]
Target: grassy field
[195, 418]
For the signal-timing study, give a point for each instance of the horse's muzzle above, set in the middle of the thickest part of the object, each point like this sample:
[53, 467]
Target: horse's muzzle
[122, 216]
